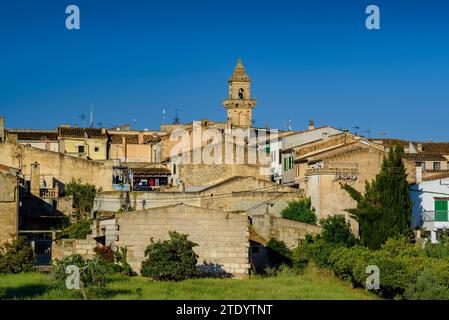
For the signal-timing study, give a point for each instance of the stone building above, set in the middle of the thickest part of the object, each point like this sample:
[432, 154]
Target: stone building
[135, 145]
[222, 237]
[239, 104]
[40, 139]
[9, 203]
[85, 143]
[322, 167]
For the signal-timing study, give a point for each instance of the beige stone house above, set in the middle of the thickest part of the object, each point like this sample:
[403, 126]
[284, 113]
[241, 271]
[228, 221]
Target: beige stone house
[85, 143]
[322, 168]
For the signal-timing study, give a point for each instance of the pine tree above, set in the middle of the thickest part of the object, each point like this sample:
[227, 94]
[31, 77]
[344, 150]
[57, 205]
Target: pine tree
[384, 210]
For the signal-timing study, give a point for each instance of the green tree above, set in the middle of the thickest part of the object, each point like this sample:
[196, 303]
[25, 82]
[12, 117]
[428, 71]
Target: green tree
[336, 230]
[172, 259]
[385, 209]
[300, 210]
[16, 256]
[83, 195]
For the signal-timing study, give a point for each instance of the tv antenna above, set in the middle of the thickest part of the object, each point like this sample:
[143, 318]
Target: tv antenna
[82, 116]
[289, 124]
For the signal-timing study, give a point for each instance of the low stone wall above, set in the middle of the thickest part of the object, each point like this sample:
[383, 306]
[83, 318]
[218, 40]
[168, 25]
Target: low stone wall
[66, 247]
[8, 207]
[222, 238]
[288, 231]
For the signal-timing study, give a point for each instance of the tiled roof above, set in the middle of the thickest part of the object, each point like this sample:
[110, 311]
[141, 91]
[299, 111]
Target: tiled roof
[424, 157]
[437, 176]
[436, 147]
[32, 134]
[70, 132]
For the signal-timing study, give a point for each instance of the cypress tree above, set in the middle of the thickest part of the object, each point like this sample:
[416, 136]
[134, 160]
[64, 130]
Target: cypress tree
[385, 209]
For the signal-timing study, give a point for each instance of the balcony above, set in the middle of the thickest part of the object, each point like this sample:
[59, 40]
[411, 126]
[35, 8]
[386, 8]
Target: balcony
[435, 216]
[48, 193]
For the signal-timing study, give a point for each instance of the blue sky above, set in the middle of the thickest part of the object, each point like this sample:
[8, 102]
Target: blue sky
[307, 59]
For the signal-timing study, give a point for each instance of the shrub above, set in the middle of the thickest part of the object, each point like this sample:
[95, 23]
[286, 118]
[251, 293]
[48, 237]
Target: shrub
[77, 230]
[105, 253]
[92, 273]
[300, 210]
[336, 230]
[438, 250]
[122, 262]
[16, 256]
[318, 251]
[279, 247]
[343, 260]
[427, 287]
[83, 195]
[172, 259]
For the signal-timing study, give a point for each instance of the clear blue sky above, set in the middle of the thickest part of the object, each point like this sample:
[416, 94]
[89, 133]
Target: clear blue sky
[308, 60]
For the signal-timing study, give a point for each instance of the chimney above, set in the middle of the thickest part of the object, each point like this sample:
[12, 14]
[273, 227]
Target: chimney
[412, 148]
[35, 179]
[419, 147]
[419, 173]
[311, 125]
[2, 129]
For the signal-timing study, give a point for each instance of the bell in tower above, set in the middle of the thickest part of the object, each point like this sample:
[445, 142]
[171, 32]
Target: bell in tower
[239, 104]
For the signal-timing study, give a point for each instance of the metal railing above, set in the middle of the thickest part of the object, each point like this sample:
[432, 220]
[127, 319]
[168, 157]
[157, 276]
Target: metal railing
[434, 216]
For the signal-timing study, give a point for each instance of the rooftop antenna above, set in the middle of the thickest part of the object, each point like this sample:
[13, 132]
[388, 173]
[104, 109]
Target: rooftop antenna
[163, 115]
[289, 124]
[91, 115]
[82, 116]
[382, 134]
[356, 129]
[176, 119]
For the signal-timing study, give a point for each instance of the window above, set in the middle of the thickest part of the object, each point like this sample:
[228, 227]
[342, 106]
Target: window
[241, 94]
[437, 166]
[96, 149]
[285, 164]
[80, 149]
[174, 168]
[440, 210]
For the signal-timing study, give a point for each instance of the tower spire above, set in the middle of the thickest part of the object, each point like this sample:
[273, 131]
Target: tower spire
[239, 104]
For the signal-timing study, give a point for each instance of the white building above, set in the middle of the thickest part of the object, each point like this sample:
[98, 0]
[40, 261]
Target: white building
[430, 209]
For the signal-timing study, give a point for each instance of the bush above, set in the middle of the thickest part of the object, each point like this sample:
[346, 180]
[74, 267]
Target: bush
[300, 210]
[427, 287]
[77, 230]
[343, 260]
[16, 256]
[83, 195]
[92, 273]
[105, 253]
[336, 230]
[317, 251]
[172, 259]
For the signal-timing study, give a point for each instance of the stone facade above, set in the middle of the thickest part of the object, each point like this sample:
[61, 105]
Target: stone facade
[66, 247]
[222, 237]
[59, 166]
[288, 231]
[9, 206]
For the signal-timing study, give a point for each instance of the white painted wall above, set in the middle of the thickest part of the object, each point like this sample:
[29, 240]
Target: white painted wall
[423, 198]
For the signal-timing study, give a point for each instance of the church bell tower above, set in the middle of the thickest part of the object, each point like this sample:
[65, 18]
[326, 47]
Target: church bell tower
[239, 104]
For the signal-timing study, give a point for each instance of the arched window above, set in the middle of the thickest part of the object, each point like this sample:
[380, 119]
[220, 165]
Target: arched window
[241, 94]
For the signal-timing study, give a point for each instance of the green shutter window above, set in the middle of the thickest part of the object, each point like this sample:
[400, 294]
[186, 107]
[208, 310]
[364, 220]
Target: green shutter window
[441, 210]
[285, 164]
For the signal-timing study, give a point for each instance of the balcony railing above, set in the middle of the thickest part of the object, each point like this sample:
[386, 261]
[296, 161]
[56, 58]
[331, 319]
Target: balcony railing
[47, 193]
[435, 216]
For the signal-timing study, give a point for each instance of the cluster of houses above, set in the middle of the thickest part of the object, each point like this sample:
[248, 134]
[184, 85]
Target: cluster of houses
[136, 171]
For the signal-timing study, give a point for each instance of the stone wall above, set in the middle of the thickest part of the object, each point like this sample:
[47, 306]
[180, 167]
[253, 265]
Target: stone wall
[206, 174]
[237, 193]
[62, 167]
[222, 238]
[8, 206]
[288, 231]
[66, 247]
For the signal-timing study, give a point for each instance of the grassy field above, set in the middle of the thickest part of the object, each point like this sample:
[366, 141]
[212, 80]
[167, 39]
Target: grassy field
[313, 284]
